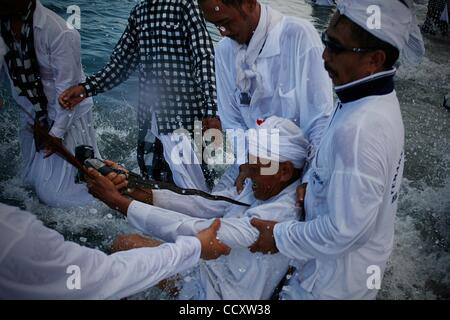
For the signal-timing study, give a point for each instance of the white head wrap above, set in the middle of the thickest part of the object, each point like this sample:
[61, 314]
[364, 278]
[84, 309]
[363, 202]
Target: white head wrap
[280, 140]
[3, 51]
[398, 25]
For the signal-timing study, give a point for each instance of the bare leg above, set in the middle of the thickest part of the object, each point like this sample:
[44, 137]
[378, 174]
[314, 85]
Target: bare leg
[133, 241]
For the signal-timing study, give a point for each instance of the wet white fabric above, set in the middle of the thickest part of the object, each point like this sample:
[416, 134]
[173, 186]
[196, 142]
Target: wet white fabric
[36, 263]
[58, 53]
[247, 55]
[297, 87]
[397, 25]
[240, 275]
[279, 140]
[182, 159]
[350, 203]
[53, 178]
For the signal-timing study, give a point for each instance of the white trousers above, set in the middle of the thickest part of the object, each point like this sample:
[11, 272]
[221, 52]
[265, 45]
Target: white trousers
[186, 168]
[53, 178]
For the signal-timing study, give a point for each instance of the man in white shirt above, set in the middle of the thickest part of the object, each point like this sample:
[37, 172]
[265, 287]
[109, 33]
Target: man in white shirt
[42, 60]
[342, 248]
[36, 262]
[267, 64]
[271, 195]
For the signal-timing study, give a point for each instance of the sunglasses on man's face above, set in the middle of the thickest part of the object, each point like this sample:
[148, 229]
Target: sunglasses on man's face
[336, 47]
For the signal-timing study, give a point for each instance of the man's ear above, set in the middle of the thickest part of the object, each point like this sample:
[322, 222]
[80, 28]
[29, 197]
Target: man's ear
[249, 5]
[377, 60]
[287, 171]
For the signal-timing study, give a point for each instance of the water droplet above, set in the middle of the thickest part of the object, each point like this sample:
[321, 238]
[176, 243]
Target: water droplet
[92, 211]
[83, 239]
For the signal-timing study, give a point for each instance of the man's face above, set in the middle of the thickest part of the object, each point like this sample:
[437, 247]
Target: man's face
[231, 21]
[13, 7]
[266, 186]
[344, 66]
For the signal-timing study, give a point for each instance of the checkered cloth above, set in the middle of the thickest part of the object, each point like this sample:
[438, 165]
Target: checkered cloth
[23, 66]
[167, 41]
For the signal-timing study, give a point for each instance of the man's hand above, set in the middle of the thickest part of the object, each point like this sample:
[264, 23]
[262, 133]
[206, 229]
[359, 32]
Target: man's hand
[72, 96]
[211, 123]
[300, 200]
[244, 173]
[121, 183]
[119, 180]
[212, 248]
[49, 150]
[266, 240]
[103, 189]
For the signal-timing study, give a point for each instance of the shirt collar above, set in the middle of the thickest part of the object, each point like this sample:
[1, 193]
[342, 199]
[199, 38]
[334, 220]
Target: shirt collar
[378, 84]
[272, 45]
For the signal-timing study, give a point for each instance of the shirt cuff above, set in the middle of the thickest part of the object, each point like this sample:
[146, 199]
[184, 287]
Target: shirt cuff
[136, 214]
[279, 232]
[58, 132]
[194, 244]
[161, 198]
[89, 87]
[211, 110]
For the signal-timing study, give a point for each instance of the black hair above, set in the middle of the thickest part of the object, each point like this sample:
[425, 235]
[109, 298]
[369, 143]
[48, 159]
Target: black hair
[233, 3]
[367, 40]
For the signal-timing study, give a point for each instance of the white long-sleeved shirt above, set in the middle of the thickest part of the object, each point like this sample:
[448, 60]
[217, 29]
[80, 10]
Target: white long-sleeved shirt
[58, 53]
[350, 203]
[240, 275]
[36, 263]
[291, 67]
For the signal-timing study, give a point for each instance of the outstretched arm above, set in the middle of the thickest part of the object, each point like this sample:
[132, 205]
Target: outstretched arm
[122, 63]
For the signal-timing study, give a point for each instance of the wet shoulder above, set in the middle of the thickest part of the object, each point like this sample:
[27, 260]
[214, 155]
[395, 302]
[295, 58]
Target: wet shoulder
[299, 30]
[226, 47]
[56, 29]
[370, 121]
[54, 22]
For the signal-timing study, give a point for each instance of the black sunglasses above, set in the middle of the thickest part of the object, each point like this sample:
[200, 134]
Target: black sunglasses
[337, 48]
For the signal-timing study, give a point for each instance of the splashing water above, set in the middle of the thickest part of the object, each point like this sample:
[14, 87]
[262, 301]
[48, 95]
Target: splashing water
[419, 267]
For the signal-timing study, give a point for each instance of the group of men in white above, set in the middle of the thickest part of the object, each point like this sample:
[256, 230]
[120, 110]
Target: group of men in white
[312, 228]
